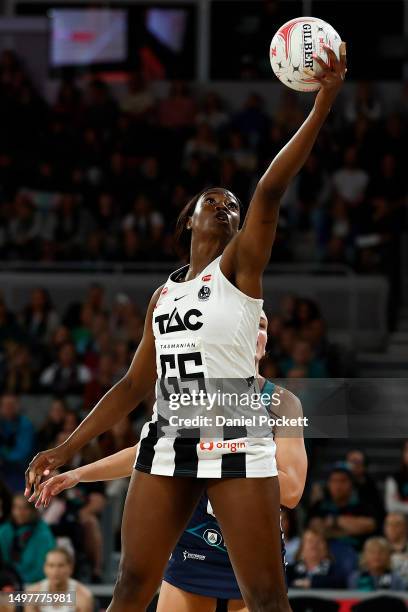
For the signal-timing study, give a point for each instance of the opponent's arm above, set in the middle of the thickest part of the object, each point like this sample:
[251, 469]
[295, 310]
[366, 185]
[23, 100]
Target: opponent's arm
[115, 466]
[291, 458]
[248, 254]
[115, 404]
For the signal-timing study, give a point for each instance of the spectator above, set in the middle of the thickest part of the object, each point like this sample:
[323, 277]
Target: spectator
[365, 485]
[396, 534]
[24, 228]
[119, 437]
[148, 224]
[314, 567]
[252, 121]
[341, 514]
[350, 182]
[396, 486]
[139, 101]
[95, 298]
[290, 530]
[53, 424]
[303, 361]
[82, 334]
[16, 441]
[202, 145]
[65, 375]
[212, 112]
[10, 330]
[58, 570]
[39, 319]
[365, 103]
[178, 110]
[240, 153]
[84, 505]
[25, 540]
[375, 572]
[20, 375]
[121, 359]
[103, 381]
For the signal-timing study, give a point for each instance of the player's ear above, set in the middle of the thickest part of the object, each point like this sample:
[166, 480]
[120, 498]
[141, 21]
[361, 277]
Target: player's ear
[189, 223]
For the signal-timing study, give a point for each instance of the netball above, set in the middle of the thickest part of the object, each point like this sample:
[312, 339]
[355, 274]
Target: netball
[293, 48]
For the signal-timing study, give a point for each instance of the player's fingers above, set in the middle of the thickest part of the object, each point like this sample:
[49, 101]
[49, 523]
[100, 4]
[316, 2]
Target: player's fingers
[312, 74]
[332, 57]
[321, 63]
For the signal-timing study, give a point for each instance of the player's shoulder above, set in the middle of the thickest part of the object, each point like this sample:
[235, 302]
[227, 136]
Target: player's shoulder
[289, 401]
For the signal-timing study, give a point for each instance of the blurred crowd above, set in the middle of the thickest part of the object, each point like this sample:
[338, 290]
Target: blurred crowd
[350, 531]
[95, 178]
[55, 366]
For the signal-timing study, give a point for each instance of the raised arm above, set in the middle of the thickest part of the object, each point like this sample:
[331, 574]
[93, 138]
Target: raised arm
[247, 256]
[115, 404]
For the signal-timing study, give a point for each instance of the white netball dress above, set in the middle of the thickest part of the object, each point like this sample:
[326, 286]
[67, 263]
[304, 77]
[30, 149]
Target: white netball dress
[205, 329]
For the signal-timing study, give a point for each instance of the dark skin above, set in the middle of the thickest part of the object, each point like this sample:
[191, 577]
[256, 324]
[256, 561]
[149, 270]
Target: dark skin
[149, 537]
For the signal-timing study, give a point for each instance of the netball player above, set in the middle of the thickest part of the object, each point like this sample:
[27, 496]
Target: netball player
[203, 325]
[199, 571]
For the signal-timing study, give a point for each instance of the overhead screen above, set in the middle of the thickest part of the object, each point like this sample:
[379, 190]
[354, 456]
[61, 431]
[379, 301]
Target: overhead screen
[83, 37]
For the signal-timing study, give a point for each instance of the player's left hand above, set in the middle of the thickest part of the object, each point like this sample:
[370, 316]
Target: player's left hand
[332, 76]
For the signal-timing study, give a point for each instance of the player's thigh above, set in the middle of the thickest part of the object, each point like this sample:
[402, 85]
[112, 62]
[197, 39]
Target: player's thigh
[247, 510]
[237, 605]
[156, 511]
[173, 598]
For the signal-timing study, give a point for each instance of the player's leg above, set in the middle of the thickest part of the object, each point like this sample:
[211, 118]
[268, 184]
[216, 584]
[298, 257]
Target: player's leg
[237, 605]
[247, 510]
[156, 511]
[173, 598]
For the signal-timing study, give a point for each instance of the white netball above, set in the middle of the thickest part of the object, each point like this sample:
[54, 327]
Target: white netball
[292, 48]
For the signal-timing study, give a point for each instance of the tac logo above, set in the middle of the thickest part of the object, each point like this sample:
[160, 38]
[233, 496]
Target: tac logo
[204, 293]
[174, 322]
[164, 291]
[206, 446]
[206, 278]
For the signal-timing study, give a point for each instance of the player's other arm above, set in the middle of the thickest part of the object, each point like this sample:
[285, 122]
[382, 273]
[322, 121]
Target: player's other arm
[252, 247]
[119, 465]
[115, 404]
[291, 455]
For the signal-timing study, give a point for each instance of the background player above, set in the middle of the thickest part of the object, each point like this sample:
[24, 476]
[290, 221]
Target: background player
[58, 569]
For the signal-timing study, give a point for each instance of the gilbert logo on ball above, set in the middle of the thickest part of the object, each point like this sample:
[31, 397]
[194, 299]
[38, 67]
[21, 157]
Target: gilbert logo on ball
[292, 48]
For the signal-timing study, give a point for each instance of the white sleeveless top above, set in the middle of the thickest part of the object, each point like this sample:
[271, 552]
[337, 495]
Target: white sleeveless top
[208, 328]
[211, 315]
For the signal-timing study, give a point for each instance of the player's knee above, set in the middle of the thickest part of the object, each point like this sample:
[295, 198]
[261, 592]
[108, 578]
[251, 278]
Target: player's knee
[131, 585]
[267, 600]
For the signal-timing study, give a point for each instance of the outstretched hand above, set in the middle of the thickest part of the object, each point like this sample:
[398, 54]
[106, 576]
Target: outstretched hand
[42, 462]
[54, 486]
[332, 76]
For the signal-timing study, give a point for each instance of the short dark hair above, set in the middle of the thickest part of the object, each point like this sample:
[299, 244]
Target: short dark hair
[182, 236]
